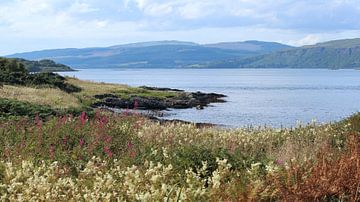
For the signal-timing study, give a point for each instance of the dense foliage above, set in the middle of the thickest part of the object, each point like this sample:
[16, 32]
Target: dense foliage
[112, 157]
[15, 73]
[43, 65]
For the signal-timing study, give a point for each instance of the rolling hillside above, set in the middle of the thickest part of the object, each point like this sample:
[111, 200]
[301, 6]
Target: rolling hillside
[158, 54]
[339, 54]
[255, 46]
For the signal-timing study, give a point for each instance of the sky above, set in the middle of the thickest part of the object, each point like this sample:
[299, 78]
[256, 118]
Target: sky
[28, 25]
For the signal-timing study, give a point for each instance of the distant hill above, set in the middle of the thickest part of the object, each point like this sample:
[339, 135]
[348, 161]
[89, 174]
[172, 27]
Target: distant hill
[256, 46]
[158, 54]
[339, 54]
[43, 66]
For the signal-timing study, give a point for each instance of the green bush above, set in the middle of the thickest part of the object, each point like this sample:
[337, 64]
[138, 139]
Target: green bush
[13, 108]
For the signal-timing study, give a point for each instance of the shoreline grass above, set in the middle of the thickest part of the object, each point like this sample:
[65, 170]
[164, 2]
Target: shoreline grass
[42, 96]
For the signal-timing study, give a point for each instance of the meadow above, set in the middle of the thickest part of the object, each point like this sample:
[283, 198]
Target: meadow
[111, 157]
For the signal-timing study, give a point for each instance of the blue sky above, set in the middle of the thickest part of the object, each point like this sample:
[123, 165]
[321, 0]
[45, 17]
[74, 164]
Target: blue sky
[27, 25]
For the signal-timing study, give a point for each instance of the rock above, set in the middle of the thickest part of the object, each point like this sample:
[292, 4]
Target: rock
[183, 101]
[199, 107]
[141, 103]
[102, 96]
[160, 89]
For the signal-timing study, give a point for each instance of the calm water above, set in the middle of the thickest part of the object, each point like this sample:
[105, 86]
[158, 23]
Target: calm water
[276, 97]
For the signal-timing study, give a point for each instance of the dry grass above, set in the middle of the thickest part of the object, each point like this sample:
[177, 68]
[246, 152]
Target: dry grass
[60, 99]
[93, 88]
[332, 177]
[90, 89]
[43, 96]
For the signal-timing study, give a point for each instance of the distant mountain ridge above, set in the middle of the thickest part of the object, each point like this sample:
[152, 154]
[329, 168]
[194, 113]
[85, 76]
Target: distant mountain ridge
[338, 54]
[253, 45]
[157, 54]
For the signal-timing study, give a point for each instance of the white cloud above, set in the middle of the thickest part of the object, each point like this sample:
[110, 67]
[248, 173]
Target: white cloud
[101, 23]
[307, 40]
[81, 7]
[194, 10]
[152, 8]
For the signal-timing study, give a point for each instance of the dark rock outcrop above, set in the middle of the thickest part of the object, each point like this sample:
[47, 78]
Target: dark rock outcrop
[160, 89]
[134, 102]
[183, 101]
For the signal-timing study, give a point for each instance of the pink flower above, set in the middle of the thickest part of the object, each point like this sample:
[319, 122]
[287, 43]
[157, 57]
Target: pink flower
[82, 142]
[38, 121]
[279, 162]
[130, 145]
[83, 118]
[108, 152]
[103, 121]
[107, 139]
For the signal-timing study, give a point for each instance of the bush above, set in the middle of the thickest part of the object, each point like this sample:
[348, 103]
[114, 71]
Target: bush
[13, 108]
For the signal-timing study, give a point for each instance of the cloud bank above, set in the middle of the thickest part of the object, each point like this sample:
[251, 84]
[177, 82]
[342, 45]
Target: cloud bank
[37, 24]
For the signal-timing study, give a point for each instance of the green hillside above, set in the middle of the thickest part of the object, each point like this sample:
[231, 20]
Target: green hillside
[160, 54]
[339, 54]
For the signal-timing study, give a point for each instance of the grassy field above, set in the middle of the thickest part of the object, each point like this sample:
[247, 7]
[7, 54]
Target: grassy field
[90, 89]
[42, 96]
[59, 99]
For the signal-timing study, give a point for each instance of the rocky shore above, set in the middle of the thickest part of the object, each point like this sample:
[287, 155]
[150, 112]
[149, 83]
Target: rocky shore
[152, 107]
[182, 101]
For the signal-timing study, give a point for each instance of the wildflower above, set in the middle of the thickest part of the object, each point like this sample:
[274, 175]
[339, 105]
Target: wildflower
[82, 142]
[130, 145]
[38, 121]
[103, 121]
[279, 162]
[83, 118]
[108, 152]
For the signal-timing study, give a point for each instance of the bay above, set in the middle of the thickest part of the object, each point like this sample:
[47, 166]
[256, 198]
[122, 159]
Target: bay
[257, 97]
